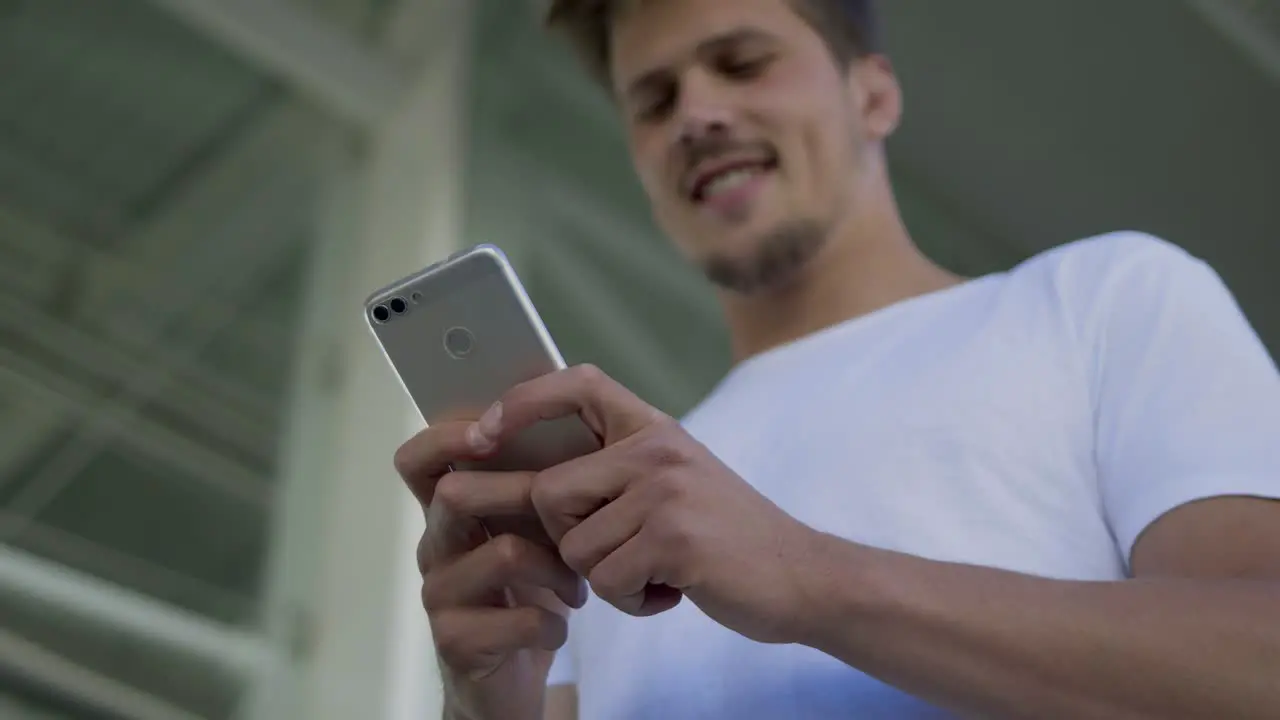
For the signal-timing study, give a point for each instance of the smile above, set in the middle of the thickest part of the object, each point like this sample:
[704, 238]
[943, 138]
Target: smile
[727, 180]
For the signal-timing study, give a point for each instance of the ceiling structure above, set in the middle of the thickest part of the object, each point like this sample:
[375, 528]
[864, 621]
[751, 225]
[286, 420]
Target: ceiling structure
[158, 188]
[156, 208]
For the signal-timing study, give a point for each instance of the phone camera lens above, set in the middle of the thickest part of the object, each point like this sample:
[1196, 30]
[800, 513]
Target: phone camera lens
[381, 314]
[459, 342]
[398, 306]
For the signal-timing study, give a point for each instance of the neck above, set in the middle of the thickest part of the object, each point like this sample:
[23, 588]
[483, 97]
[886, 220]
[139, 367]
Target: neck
[869, 263]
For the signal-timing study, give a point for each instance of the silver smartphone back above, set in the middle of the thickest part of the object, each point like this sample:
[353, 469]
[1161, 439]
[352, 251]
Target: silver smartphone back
[462, 332]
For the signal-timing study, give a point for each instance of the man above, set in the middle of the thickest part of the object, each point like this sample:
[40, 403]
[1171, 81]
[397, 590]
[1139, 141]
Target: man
[1043, 493]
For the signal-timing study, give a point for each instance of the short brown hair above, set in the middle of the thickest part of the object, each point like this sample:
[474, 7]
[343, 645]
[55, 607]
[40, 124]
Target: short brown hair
[848, 27]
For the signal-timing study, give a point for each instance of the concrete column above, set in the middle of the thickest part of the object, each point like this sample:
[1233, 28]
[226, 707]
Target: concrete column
[343, 593]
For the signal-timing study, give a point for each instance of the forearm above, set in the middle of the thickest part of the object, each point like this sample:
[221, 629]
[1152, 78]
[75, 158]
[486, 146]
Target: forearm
[464, 701]
[1005, 645]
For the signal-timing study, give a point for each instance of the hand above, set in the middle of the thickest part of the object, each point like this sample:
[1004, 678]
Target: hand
[497, 605]
[654, 515]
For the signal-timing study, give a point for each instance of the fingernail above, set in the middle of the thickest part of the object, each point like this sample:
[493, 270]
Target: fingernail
[491, 422]
[483, 434]
[477, 440]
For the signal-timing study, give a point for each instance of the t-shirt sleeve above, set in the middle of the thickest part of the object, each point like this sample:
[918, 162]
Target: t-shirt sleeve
[1187, 398]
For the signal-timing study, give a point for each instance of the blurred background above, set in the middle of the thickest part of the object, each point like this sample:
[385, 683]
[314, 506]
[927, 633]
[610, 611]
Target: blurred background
[198, 515]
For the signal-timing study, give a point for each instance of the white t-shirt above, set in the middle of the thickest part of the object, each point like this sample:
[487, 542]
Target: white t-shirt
[1036, 420]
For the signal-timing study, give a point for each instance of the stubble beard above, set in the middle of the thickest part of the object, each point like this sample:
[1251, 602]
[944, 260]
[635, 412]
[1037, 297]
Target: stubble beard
[777, 260]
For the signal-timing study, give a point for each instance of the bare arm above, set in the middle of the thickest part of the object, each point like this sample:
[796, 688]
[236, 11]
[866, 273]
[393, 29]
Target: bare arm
[561, 704]
[1195, 635]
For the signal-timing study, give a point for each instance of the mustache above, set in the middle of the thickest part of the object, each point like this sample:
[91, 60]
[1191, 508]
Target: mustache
[712, 147]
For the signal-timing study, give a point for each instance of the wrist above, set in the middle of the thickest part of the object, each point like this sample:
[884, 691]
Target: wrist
[842, 585]
[465, 701]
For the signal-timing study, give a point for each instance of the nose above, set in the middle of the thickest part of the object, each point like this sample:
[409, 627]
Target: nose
[703, 110]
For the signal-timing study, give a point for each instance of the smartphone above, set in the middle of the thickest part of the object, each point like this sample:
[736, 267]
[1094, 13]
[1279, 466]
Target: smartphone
[461, 333]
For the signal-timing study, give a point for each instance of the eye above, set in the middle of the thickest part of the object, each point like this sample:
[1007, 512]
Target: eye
[743, 67]
[657, 104]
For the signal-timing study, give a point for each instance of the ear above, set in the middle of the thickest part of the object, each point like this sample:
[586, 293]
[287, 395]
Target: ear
[874, 85]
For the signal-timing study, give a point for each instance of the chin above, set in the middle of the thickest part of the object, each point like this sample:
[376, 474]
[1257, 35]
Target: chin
[740, 240]
[764, 261]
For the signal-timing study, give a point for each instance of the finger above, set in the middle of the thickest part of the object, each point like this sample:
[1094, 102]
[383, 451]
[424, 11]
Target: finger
[624, 580]
[481, 576]
[461, 504]
[609, 409]
[565, 494]
[427, 456]
[500, 501]
[475, 641]
[486, 494]
[601, 533]
[544, 598]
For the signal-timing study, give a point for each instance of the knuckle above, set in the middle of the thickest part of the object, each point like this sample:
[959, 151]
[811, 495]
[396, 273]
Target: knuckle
[424, 554]
[663, 445]
[510, 551]
[430, 447]
[430, 592]
[662, 451]
[405, 459]
[554, 630]
[527, 623]
[670, 532]
[664, 486]
[606, 584]
[543, 494]
[575, 553]
[667, 484]
[450, 641]
[450, 492]
[589, 374]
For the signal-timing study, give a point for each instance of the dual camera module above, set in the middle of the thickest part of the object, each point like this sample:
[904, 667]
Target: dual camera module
[458, 341]
[383, 312]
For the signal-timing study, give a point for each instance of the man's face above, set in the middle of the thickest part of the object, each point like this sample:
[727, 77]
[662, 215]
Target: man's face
[746, 133]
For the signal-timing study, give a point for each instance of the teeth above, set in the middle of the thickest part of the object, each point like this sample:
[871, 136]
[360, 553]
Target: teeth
[728, 181]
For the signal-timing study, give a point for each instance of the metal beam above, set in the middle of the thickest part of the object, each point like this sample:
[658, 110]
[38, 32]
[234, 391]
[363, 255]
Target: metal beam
[203, 398]
[1235, 20]
[32, 257]
[225, 409]
[19, 168]
[49, 670]
[197, 397]
[103, 604]
[13, 708]
[26, 425]
[152, 439]
[173, 247]
[101, 426]
[247, 230]
[122, 568]
[183, 253]
[272, 233]
[317, 60]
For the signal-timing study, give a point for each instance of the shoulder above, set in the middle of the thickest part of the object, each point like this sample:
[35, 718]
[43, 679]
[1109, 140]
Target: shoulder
[1095, 263]
[1124, 274]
